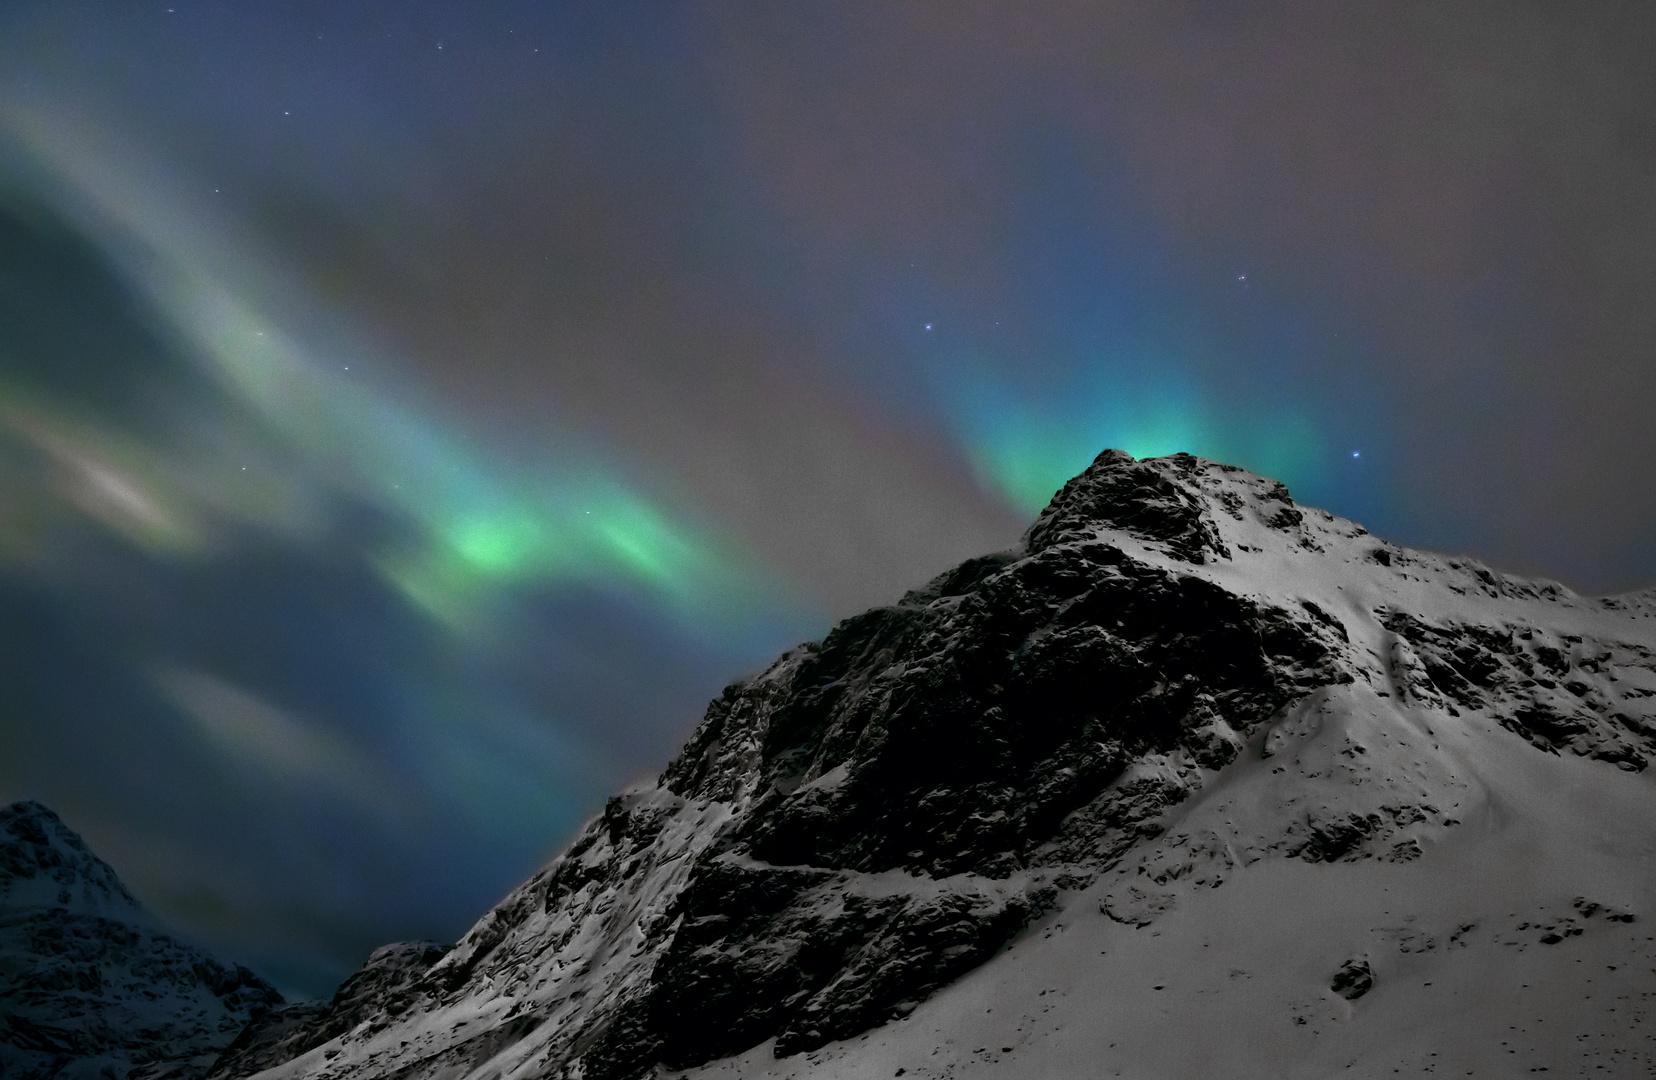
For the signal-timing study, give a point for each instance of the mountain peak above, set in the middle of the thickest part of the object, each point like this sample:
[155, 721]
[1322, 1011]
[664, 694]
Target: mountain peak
[45, 863]
[90, 984]
[1170, 501]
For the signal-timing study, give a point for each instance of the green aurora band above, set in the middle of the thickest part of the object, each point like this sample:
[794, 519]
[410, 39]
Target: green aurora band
[486, 525]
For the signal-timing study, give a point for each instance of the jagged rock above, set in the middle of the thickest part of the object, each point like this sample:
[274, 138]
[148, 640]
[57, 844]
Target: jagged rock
[90, 985]
[1354, 979]
[1144, 499]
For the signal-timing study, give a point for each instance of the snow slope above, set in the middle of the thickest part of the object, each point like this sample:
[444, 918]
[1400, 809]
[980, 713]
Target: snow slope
[1196, 782]
[90, 985]
[1509, 944]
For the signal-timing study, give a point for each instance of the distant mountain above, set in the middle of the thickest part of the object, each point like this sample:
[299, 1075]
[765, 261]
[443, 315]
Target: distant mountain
[379, 990]
[1194, 782]
[90, 985]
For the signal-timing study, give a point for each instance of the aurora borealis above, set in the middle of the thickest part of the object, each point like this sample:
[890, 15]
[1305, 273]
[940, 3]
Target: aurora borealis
[410, 414]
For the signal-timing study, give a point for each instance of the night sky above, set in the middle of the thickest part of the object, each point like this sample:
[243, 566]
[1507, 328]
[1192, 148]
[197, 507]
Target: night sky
[411, 413]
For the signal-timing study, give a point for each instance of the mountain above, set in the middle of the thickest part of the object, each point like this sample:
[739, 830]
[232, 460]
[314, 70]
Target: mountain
[375, 991]
[90, 985]
[1194, 782]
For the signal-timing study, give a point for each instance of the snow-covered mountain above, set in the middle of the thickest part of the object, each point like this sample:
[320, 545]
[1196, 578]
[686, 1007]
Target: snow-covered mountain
[1195, 782]
[90, 985]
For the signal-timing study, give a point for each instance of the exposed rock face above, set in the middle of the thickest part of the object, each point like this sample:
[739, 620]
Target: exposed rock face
[1146, 500]
[90, 985]
[878, 813]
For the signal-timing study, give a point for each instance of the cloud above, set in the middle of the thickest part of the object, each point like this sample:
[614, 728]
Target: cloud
[569, 513]
[255, 734]
[115, 482]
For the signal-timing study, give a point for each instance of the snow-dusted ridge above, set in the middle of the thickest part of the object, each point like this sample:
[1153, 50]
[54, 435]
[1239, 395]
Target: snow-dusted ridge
[1033, 777]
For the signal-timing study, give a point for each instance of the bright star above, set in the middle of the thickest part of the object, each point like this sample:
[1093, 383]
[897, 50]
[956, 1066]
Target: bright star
[1355, 454]
[928, 326]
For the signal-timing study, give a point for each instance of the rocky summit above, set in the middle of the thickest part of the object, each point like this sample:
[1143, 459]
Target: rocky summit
[90, 985]
[1195, 781]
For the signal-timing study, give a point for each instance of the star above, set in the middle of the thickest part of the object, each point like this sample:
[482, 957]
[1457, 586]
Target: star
[928, 326]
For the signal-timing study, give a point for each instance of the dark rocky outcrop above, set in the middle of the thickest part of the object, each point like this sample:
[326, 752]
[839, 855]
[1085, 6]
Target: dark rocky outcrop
[1354, 979]
[1141, 498]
